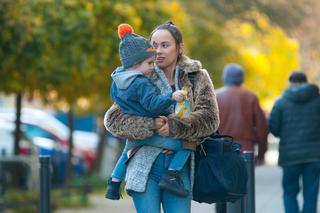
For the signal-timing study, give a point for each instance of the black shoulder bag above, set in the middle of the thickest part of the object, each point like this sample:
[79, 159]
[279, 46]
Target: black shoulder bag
[220, 170]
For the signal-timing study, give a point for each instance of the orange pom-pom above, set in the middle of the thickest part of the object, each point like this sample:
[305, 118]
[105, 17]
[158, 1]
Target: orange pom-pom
[123, 29]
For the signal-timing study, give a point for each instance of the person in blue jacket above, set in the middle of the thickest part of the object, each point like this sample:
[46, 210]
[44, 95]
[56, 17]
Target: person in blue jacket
[136, 94]
[295, 119]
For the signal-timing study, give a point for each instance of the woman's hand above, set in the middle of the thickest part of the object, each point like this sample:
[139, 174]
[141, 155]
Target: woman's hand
[158, 123]
[162, 126]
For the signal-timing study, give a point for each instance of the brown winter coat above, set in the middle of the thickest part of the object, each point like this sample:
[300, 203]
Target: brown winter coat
[242, 117]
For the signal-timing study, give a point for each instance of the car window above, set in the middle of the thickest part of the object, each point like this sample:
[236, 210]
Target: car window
[32, 131]
[6, 142]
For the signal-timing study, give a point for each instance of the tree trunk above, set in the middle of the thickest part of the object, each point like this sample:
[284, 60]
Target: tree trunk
[70, 149]
[101, 145]
[17, 133]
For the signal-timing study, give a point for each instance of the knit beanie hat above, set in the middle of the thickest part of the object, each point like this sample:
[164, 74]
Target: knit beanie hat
[233, 74]
[133, 48]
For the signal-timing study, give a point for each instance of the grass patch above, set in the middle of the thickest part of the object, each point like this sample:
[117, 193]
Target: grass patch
[28, 201]
[76, 196]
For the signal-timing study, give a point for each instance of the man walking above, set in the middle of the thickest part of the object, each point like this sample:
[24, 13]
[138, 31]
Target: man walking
[295, 119]
[241, 115]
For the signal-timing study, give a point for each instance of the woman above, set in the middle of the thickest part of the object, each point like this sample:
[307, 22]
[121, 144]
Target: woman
[145, 168]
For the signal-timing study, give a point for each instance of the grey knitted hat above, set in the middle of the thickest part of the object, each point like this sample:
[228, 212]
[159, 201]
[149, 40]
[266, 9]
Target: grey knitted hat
[233, 74]
[133, 48]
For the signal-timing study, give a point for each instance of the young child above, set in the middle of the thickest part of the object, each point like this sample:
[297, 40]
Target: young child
[136, 94]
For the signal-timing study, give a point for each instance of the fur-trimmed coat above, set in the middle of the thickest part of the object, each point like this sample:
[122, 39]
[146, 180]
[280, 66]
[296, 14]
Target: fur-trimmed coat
[203, 121]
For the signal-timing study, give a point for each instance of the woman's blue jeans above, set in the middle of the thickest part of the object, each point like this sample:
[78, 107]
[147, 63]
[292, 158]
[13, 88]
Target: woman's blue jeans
[151, 200]
[310, 184]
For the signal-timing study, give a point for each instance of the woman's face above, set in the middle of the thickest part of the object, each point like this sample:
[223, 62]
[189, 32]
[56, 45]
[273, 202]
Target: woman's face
[167, 51]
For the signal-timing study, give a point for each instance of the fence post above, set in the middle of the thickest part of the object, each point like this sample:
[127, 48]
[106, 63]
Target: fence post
[44, 184]
[249, 199]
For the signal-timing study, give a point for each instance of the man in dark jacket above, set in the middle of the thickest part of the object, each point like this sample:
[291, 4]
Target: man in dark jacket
[241, 115]
[295, 119]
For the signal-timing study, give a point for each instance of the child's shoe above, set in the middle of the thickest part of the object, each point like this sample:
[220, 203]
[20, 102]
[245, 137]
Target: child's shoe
[171, 181]
[113, 190]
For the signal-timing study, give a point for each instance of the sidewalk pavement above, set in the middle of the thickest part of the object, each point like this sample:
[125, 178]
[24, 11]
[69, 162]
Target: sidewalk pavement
[267, 188]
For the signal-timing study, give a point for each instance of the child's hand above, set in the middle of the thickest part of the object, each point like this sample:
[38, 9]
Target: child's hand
[178, 95]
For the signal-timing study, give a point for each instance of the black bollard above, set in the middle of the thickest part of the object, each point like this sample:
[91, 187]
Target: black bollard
[2, 181]
[235, 207]
[44, 184]
[247, 203]
[249, 199]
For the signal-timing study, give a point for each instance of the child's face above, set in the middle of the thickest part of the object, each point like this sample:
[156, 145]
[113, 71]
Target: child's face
[146, 67]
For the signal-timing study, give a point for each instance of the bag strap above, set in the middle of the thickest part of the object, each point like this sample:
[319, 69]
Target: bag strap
[217, 135]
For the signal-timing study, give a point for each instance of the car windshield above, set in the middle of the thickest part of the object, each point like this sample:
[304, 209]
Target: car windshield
[38, 118]
[34, 131]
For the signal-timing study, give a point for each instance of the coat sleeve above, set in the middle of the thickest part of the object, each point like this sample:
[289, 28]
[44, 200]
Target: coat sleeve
[127, 126]
[204, 120]
[151, 99]
[275, 120]
[261, 128]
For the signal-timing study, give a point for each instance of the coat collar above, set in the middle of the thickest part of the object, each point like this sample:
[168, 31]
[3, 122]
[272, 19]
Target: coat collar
[188, 65]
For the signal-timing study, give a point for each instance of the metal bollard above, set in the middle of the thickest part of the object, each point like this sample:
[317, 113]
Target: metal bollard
[236, 207]
[2, 181]
[249, 199]
[247, 203]
[44, 184]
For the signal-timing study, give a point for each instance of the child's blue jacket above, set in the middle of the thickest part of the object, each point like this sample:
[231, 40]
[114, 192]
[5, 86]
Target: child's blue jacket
[136, 94]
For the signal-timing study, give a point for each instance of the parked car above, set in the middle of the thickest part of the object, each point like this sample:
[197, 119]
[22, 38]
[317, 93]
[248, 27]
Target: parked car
[17, 171]
[30, 148]
[39, 123]
[7, 141]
